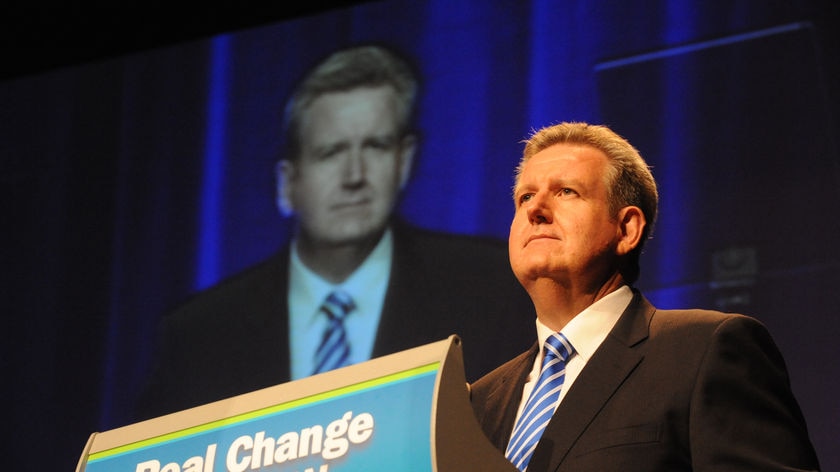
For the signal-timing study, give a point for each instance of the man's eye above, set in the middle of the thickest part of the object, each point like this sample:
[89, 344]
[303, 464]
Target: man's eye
[381, 144]
[567, 191]
[330, 152]
[525, 197]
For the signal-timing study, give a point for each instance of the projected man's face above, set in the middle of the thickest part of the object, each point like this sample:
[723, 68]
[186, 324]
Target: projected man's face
[351, 167]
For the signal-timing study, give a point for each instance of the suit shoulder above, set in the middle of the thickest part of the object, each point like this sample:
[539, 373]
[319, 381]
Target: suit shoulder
[444, 251]
[697, 318]
[708, 328]
[256, 284]
[452, 242]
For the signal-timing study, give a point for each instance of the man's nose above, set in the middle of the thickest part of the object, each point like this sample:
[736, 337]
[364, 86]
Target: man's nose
[354, 167]
[539, 210]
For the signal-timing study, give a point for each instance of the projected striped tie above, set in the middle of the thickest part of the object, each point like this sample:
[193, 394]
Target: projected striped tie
[541, 403]
[334, 350]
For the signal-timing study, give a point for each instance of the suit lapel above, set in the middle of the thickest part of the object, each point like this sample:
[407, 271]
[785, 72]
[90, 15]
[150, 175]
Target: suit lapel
[606, 371]
[281, 305]
[270, 322]
[408, 306]
[506, 397]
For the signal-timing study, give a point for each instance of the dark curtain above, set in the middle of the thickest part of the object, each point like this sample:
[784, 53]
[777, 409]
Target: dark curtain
[132, 182]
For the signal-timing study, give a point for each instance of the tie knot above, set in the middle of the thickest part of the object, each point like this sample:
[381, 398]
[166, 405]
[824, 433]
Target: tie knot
[338, 305]
[557, 346]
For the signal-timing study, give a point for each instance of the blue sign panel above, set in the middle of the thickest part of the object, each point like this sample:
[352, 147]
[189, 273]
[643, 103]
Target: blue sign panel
[380, 424]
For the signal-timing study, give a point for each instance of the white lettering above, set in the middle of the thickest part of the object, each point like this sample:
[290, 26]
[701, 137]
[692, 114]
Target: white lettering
[202, 464]
[244, 443]
[287, 447]
[311, 440]
[148, 466]
[361, 428]
[336, 445]
[193, 464]
[323, 468]
[263, 452]
[210, 458]
[248, 453]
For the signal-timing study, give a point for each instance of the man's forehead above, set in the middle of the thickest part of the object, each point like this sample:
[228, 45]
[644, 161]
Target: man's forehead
[563, 164]
[563, 160]
[378, 95]
[338, 117]
[325, 140]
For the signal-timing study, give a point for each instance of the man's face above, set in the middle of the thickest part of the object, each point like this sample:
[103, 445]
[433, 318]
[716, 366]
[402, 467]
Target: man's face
[562, 228]
[352, 165]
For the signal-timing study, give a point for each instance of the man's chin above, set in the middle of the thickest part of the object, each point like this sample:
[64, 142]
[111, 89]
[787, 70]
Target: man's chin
[537, 271]
[352, 235]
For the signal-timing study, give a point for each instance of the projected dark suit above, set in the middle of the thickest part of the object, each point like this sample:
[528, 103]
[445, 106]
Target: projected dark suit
[668, 390]
[233, 338]
[349, 153]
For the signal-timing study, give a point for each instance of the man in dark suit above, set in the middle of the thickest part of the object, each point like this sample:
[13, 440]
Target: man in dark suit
[640, 389]
[350, 150]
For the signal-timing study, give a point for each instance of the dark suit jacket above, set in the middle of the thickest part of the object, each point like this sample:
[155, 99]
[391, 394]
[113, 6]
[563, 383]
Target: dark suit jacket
[666, 391]
[233, 338]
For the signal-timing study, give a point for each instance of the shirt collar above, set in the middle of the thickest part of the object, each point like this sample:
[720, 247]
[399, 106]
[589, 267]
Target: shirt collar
[589, 328]
[312, 290]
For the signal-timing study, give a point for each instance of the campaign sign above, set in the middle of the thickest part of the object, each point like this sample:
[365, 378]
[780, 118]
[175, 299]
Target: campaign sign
[379, 424]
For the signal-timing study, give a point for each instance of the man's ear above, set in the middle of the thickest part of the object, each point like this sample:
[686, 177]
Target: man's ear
[631, 225]
[408, 146]
[284, 172]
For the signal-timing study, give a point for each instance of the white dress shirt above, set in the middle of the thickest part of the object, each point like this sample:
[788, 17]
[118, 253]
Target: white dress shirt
[307, 291]
[585, 332]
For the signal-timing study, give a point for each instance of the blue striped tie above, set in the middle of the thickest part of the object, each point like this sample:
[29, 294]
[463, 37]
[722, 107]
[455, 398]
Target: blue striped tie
[541, 403]
[334, 350]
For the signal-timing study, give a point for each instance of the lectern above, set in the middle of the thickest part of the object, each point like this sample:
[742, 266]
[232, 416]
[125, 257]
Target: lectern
[401, 412]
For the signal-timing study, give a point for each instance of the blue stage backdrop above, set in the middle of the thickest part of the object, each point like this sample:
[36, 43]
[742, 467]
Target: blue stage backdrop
[132, 182]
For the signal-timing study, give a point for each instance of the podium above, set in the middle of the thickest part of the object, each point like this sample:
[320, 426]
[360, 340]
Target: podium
[404, 411]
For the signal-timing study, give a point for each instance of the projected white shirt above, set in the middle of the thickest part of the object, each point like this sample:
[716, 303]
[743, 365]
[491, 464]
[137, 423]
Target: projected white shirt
[367, 285]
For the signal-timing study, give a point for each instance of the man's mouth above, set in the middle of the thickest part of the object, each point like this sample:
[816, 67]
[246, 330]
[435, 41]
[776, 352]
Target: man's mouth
[351, 204]
[535, 237]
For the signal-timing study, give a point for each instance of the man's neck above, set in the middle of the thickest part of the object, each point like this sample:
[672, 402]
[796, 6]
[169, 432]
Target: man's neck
[335, 262]
[557, 303]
